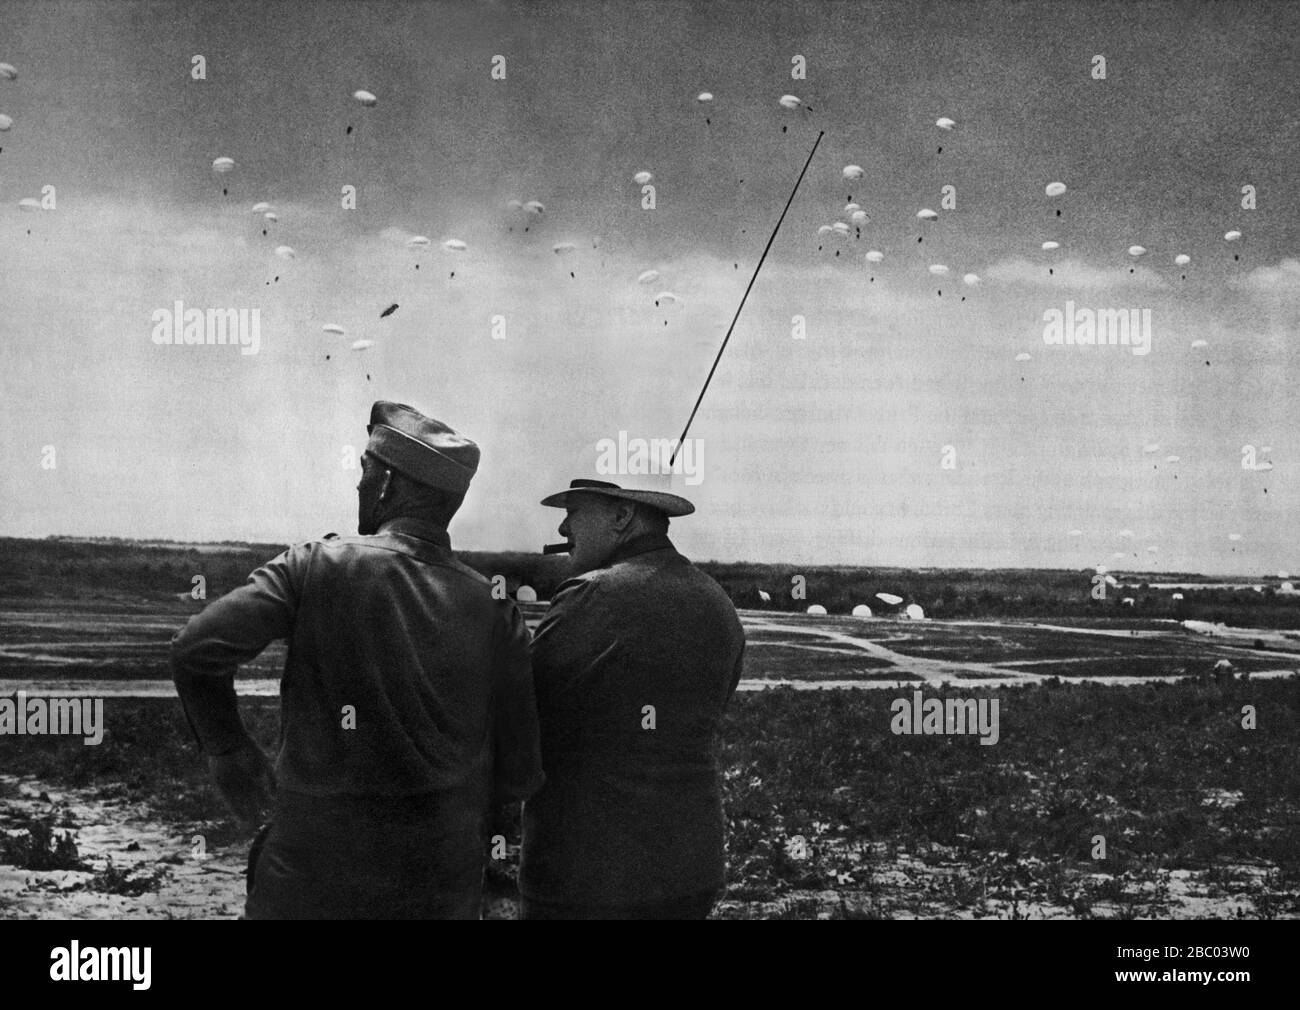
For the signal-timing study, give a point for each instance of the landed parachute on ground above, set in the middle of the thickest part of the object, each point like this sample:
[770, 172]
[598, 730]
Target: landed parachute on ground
[914, 612]
[861, 610]
[889, 598]
[817, 610]
[526, 594]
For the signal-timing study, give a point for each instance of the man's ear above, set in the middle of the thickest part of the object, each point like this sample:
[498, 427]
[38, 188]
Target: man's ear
[624, 513]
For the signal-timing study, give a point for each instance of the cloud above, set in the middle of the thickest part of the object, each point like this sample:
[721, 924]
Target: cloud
[1282, 280]
[1072, 274]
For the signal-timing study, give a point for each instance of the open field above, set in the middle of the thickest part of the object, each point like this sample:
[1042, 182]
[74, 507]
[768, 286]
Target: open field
[1109, 729]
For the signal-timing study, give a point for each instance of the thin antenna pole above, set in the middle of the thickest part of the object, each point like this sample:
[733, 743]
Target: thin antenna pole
[682, 441]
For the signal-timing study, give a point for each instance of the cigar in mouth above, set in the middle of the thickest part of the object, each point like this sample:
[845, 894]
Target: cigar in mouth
[563, 548]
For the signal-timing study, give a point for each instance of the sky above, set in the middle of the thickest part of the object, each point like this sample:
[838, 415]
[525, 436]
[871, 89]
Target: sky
[847, 385]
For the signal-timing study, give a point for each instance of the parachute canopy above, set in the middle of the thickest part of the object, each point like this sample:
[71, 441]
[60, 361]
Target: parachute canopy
[889, 598]
[7, 72]
[533, 207]
[560, 248]
[526, 594]
[938, 269]
[1182, 259]
[790, 101]
[261, 208]
[914, 612]
[1151, 447]
[861, 610]
[1137, 250]
[361, 345]
[1231, 236]
[365, 98]
[1200, 343]
[1049, 246]
[874, 256]
[765, 596]
[29, 203]
[223, 165]
[334, 328]
[454, 245]
[704, 96]
[418, 241]
[1055, 189]
[926, 214]
[859, 217]
[641, 178]
[971, 279]
[944, 123]
[853, 172]
[1023, 356]
[817, 610]
[5, 123]
[285, 252]
[649, 277]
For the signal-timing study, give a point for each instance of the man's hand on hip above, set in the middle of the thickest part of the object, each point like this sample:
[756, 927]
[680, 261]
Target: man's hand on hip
[246, 781]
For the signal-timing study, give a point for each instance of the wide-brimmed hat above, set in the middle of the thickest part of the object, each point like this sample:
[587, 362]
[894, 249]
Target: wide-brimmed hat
[669, 504]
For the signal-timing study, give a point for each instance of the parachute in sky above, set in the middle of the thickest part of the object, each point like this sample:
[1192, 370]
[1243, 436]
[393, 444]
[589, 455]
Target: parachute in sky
[361, 345]
[29, 203]
[875, 256]
[704, 96]
[261, 208]
[649, 277]
[418, 241]
[926, 214]
[534, 207]
[7, 72]
[1024, 356]
[333, 328]
[853, 172]
[1076, 533]
[560, 248]
[665, 297]
[1055, 189]
[6, 123]
[285, 252]
[1151, 447]
[971, 279]
[365, 98]
[1182, 259]
[1136, 250]
[1049, 246]
[1200, 343]
[454, 245]
[938, 269]
[223, 165]
[944, 123]
[641, 178]
[1231, 236]
[859, 217]
[790, 102]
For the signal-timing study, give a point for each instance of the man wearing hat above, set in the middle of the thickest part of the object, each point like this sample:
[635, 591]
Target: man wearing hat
[407, 702]
[633, 664]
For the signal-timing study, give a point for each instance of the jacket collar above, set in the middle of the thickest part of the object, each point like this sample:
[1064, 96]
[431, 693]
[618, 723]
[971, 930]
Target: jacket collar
[418, 528]
[640, 545]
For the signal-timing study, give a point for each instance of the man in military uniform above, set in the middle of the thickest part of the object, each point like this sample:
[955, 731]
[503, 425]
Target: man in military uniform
[407, 702]
[634, 664]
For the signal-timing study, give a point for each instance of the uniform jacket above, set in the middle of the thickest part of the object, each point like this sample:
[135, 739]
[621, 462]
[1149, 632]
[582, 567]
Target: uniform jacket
[631, 814]
[435, 671]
